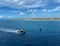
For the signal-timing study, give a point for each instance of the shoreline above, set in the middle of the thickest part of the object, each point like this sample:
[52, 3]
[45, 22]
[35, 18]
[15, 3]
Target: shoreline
[35, 19]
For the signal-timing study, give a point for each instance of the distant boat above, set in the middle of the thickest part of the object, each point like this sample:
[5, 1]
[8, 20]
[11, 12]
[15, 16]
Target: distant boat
[21, 31]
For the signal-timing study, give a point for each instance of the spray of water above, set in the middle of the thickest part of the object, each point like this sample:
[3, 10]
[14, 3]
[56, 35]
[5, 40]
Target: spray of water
[8, 30]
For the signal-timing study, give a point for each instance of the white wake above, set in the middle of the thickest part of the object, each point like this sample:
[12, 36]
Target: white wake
[8, 30]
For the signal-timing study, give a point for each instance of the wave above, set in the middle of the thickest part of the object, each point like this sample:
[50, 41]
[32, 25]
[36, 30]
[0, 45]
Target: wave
[8, 30]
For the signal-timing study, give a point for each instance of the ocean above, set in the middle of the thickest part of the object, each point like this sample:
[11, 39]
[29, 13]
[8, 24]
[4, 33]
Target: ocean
[49, 35]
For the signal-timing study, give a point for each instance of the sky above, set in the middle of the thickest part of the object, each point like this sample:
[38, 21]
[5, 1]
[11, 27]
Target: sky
[29, 9]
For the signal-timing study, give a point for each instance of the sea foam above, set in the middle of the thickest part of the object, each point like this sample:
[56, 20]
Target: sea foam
[8, 30]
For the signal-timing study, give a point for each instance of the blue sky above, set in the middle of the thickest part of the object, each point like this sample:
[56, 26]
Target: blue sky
[29, 8]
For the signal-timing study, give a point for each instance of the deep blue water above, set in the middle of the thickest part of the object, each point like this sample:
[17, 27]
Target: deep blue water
[49, 36]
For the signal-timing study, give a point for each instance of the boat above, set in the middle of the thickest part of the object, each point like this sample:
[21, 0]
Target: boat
[21, 31]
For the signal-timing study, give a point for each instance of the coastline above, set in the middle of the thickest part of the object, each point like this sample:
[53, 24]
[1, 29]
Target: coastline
[35, 19]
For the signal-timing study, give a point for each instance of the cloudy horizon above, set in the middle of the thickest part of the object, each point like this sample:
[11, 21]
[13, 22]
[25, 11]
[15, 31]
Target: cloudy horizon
[29, 8]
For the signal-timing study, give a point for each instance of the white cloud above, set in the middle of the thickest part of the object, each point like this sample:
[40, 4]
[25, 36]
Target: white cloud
[20, 3]
[22, 13]
[1, 16]
[51, 10]
[56, 9]
[34, 5]
[8, 4]
[44, 10]
[31, 10]
[23, 3]
[15, 0]
[33, 15]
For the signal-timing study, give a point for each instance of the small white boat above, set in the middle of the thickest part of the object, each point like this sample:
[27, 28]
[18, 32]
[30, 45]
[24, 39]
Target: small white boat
[21, 31]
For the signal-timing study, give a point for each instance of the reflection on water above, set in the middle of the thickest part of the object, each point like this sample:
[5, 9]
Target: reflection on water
[48, 36]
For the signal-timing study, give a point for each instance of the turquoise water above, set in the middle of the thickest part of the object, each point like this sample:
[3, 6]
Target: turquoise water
[49, 36]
